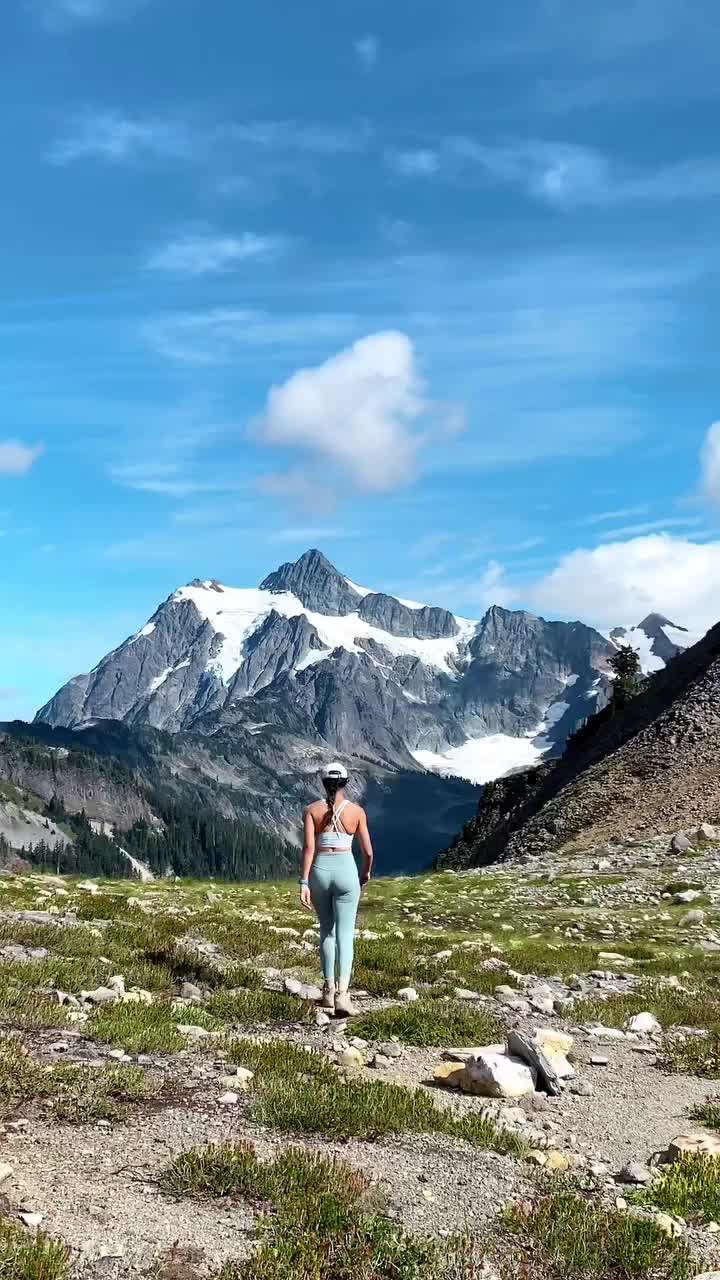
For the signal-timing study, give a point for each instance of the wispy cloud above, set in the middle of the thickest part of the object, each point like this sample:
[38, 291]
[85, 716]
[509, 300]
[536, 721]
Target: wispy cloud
[118, 139]
[622, 513]
[710, 462]
[309, 534]
[222, 333]
[367, 49]
[202, 255]
[421, 162]
[296, 135]
[169, 480]
[562, 174]
[651, 526]
[16, 459]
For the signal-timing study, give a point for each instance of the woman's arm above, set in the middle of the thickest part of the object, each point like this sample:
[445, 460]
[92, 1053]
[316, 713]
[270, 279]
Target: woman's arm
[308, 854]
[366, 847]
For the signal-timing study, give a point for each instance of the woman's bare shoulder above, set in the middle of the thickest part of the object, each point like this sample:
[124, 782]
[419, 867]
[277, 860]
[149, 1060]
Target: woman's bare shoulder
[317, 806]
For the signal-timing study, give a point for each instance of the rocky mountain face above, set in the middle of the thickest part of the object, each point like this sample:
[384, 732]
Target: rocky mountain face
[360, 672]
[652, 767]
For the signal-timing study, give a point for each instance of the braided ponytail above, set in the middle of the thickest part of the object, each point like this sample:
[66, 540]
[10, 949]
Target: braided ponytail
[332, 786]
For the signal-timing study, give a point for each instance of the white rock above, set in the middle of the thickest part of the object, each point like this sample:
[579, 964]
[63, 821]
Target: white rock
[101, 995]
[88, 886]
[192, 1031]
[31, 1219]
[707, 1144]
[497, 1075]
[228, 1099]
[408, 994]
[6, 1171]
[555, 1045]
[645, 1024]
[686, 896]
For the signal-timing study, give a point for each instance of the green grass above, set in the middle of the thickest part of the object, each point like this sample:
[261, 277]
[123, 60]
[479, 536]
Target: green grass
[325, 1224]
[279, 1058]
[78, 1093]
[672, 1008]
[252, 1007]
[24, 1257]
[139, 1028]
[23, 1010]
[689, 1188]
[429, 1023]
[564, 1237]
[340, 1109]
[708, 1113]
[695, 1055]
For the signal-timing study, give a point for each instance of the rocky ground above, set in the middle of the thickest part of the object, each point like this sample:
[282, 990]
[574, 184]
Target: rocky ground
[528, 1088]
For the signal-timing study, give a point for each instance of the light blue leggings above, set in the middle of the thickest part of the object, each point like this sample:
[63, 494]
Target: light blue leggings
[335, 893]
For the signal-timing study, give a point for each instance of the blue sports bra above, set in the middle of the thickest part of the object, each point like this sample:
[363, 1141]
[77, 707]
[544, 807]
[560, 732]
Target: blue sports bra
[336, 839]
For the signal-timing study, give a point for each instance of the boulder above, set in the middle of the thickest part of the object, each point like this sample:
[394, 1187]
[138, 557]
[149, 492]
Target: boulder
[545, 1075]
[686, 896]
[498, 1075]
[707, 1144]
[390, 1049]
[555, 1045]
[635, 1173]
[680, 843]
[706, 832]
[408, 994]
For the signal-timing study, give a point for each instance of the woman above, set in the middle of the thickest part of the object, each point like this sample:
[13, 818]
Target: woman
[330, 883]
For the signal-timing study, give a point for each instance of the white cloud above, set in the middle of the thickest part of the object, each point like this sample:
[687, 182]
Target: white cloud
[621, 582]
[16, 459]
[367, 49]
[294, 135]
[359, 411]
[200, 255]
[710, 459]
[423, 162]
[112, 136]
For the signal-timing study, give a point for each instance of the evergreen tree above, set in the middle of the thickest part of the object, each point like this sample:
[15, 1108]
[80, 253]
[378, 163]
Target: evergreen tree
[625, 664]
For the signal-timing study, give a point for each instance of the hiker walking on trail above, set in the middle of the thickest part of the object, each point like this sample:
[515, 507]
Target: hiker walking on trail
[331, 884]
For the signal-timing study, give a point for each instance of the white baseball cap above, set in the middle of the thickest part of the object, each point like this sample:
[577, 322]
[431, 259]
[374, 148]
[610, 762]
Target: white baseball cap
[336, 771]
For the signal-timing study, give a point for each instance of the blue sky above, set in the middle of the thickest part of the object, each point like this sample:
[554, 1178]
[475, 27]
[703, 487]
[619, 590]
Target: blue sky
[434, 287]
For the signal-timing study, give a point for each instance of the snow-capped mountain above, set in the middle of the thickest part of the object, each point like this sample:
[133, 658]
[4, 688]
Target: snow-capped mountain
[310, 652]
[656, 640]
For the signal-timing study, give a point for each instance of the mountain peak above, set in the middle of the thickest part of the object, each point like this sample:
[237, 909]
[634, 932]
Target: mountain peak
[653, 621]
[316, 583]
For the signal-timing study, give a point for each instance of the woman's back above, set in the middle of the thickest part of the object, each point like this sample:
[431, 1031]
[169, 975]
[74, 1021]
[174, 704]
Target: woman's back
[344, 817]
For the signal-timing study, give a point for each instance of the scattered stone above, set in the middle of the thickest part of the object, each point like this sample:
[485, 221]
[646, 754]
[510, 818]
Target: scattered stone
[380, 1061]
[390, 1049]
[322, 1019]
[192, 1031]
[408, 994]
[696, 916]
[351, 1057]
[706, 832]
[557, 1162]
[189, 991]
[680, 843]
[101, 995]
[669, 1226]
[598, 1060]
[31, 1219]
[449, 1073]
[686, 896]
[6, 1171]
[635, 1173]
[463, 993]
[229, 1098]
[305, 990]
[644, 1024]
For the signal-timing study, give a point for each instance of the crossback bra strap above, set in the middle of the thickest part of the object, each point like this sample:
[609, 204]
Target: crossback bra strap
[335, 825]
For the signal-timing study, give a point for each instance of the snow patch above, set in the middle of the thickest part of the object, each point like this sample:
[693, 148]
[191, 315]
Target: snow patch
[142, 871]
[237, 613]
[482, 759]
[147, 630]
